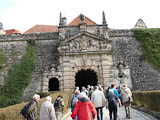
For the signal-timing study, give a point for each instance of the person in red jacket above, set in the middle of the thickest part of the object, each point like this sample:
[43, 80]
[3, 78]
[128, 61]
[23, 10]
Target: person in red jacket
[84, 108]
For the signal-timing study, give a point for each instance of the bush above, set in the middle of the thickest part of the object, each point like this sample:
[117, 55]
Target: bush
[2, 59]
[18, 78]
[147, 99]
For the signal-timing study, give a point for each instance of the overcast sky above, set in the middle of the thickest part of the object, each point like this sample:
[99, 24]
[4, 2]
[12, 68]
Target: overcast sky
[120, 14]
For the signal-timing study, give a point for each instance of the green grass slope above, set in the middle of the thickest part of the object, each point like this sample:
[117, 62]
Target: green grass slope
[13, 112]
[147, 99]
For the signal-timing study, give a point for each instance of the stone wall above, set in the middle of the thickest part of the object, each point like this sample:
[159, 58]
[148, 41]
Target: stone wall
[24, 37]
[14, 51]
[69, 31]
[46, 58]
[14, 48]
[126, 48]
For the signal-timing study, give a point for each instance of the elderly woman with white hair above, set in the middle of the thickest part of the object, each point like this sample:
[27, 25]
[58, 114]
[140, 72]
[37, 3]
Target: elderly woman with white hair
[84, 108]
[47, 111]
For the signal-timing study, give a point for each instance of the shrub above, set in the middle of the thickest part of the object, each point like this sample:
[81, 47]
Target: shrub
[18, 78]
[2, 59]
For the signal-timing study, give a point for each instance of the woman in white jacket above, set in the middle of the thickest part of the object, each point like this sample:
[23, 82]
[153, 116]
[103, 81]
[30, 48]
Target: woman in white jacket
[126, 96]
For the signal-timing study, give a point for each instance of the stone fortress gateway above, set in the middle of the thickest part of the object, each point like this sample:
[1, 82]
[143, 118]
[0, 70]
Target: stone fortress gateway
[82, 53]
[88, 50]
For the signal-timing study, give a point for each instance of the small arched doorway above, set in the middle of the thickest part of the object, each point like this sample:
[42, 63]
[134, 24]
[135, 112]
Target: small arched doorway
[53, 84]
[86, 77]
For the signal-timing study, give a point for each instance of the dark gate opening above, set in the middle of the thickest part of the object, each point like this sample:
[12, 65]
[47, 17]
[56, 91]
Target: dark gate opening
[53, 84]
[85, 77]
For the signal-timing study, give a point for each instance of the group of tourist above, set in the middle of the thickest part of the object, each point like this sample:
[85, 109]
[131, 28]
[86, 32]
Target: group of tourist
[48, 110]
[85, 105]
[89, 103]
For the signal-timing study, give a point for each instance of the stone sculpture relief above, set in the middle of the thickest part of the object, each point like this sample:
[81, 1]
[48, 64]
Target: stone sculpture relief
[80, 45]
[84, 43]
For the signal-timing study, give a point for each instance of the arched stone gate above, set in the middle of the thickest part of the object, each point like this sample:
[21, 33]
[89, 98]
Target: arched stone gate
[86, 77]
[81, 52]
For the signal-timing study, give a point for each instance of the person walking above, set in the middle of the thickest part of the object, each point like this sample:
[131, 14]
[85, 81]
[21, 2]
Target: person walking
[74, 101]
[47, 111]
[113, 101]
[126, 95]
[59, 107]
[91, 90]
[84, 90]
[31, 108]
[99, 101]
[100, 88]
[84, 108]
[115, 91]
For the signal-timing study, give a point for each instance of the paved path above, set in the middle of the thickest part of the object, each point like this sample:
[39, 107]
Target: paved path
[135, 115]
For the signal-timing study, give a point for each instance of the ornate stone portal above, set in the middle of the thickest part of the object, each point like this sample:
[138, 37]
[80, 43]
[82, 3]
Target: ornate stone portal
[85, 50]
[81, 52]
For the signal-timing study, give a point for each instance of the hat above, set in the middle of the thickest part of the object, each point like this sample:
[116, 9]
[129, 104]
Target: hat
[82, 94]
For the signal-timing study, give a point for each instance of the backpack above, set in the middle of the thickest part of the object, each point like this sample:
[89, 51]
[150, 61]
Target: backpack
[57, 103]
[74, 101]
[25, 110]
[112, 102]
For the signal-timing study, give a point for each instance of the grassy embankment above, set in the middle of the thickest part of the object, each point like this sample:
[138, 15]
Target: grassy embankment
[12, 112]
[147, 99]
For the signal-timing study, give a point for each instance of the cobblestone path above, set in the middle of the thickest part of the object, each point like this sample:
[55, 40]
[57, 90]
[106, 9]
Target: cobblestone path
[135, 115]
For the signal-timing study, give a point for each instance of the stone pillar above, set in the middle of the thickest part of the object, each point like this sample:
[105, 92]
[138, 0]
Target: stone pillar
[45, 81]
[68, 76]
[106, 65]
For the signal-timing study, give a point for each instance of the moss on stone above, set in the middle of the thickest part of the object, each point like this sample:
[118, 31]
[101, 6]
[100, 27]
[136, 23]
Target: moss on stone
[150, 43]
[18, 78]
[2, 59]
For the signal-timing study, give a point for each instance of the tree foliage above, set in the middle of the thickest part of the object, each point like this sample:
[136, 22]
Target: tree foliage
[2, 59]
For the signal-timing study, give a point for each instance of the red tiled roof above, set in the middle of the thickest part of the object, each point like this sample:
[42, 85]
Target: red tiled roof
[12, 31]
[42, 29]
[77, 20]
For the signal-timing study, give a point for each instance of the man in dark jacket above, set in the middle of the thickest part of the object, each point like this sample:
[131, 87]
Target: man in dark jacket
[59, 107]
[32, 110]
[84, 108]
